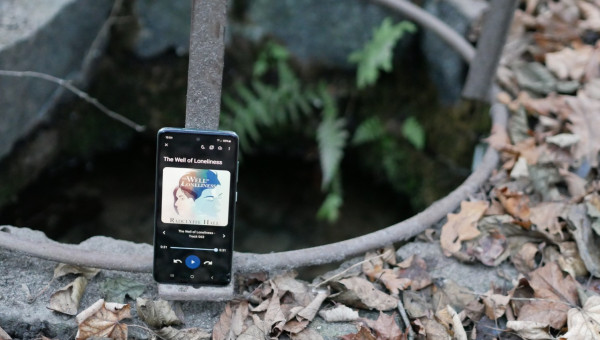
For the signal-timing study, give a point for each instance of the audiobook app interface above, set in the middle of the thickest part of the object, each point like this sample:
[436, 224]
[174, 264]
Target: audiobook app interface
[196, 180]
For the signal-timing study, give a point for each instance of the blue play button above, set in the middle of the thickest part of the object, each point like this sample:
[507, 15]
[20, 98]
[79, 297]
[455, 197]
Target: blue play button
[192, 262]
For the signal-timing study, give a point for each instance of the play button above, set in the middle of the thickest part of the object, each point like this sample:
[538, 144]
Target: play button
[192, 262]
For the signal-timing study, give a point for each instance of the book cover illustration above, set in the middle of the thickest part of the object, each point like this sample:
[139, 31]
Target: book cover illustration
[195, 196]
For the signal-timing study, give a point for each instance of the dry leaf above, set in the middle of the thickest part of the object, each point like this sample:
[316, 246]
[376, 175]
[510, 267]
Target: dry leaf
[554, 294]
[434, 330]
[117, 289]
[416, 304]
[570, 261]
[569, 63]
[495, 304]
[525, 260]
[363, 334]
[170, 333]
[394, 283]
[461, 226]
[157, 314]
[373, 265]
[295, 326]
[516, 204]
[415, 269]
[585, 119]
[584, 323]
[66, 300]
[530, 329]
[360, 293]
[309, 312]
[490, 248]
[587, 240]
[386, 327]
[253, 332]
[103, 320]
[545, 216]
[63, 269]
[339, 313]
[222, 329]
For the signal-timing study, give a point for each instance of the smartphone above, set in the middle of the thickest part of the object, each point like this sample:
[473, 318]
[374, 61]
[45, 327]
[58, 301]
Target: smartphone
[196, 181]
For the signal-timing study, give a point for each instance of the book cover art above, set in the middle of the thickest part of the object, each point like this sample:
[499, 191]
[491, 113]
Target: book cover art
[195, 196]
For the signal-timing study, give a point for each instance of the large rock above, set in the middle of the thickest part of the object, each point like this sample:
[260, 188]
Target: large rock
[48, 36]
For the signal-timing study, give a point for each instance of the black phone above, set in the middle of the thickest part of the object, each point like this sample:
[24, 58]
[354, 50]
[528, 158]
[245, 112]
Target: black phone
[196, 181]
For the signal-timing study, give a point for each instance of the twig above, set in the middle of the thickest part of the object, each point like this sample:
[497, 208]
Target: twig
[411, 332]
[81, 94]
[352, 266]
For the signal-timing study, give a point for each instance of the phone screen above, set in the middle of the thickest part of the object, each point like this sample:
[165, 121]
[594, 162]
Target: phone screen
[196, 177]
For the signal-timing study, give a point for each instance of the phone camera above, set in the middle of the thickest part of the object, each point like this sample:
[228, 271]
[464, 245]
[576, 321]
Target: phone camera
[197, 139]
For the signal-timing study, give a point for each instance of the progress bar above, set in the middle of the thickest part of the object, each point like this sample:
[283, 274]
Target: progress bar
[201, 249]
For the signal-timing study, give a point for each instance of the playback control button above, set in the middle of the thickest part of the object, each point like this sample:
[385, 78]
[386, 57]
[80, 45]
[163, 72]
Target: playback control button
[192, 262]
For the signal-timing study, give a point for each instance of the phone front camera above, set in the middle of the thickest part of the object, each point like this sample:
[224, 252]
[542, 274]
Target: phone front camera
[197, 139]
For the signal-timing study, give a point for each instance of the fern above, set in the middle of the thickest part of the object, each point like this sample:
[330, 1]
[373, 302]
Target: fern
[377, 53]
[414, 133]
[331, 139]
[371, 129]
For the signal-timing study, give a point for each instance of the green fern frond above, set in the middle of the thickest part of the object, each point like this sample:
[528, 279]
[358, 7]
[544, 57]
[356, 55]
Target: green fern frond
[377, 53]
[331, 139]
[414, 132]
[330, 209]
[370, 130]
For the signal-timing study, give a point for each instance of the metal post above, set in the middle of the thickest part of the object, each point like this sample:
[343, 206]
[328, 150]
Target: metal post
[205, 72]
[482, 69]
[205, 77]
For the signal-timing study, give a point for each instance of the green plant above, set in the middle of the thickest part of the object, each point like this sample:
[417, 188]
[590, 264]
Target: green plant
[378, 52]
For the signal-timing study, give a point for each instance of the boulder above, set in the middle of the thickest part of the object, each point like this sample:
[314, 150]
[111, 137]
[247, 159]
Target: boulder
[48, 36]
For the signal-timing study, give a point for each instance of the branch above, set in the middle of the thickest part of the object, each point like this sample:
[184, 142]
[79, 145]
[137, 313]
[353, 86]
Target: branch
[81, 94]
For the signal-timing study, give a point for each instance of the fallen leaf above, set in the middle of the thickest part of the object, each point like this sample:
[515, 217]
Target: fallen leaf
[307, 334]
[117, 289]
[530, 329]
[587, 240]
[240, 313]
[491, 247]
[448, 292]
[525, 260]
[274, 317]
[363, 334]
[157, 314]
[373, 265]
[592, 204]
[103, 320]
[360, 293]
[495, 304]
[295, 326]
[461, 226]
[591, 15]
[339, 313]
[554, 294]
[66, 300]
[253, 332]
[584, 120]
[309, 312]
[63, 269]
[416, 304]
[434, 330]
[516, 204]
[170, 333]
[222, 329]
[569, 63]
[386, 328]
[563, 139]
[415, 269]
[545, 216]
[393, 283]
[584, 323]
[570, 261]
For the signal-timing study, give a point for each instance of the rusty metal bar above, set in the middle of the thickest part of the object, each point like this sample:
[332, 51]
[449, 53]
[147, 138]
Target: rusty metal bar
[205, 71]
[482, 69]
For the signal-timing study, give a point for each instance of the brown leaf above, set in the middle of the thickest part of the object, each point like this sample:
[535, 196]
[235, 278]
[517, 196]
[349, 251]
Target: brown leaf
[495, 304]
[393, 282]
[63, 269]
[491, 247]
[363, 334]
[373, 265]
[415, 269]
[461, 226]
[587, 240]
[295, 326]
[569, 63]
[170, 333]
[516, 204]
[66, 300]
[570, 261]
[386, 327]
[525, 260]
[530, 329]
[545, 217]
[360, 293]
[309, 312]
[222, 329]
[103, 320]
[157, 314]
[585, 119]
[274, 317]
[584, 323]
[554, 294]
[434, 330]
